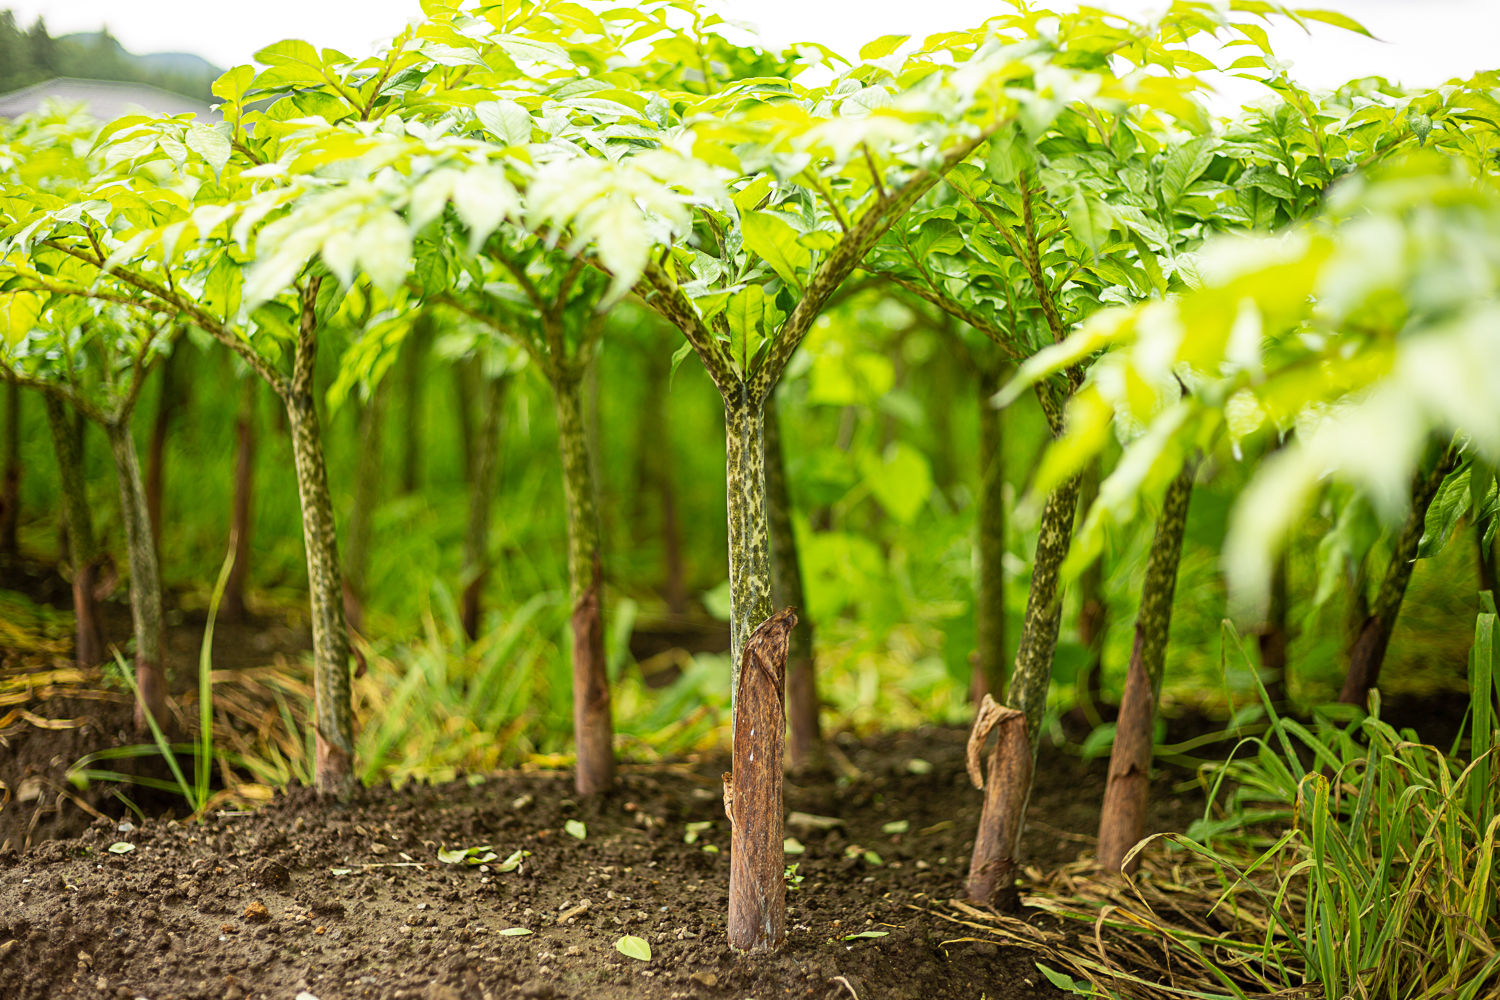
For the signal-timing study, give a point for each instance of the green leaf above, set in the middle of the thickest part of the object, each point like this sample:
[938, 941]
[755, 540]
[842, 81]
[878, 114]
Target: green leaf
[575, 828]
[221, 289]
[1063, 982]
[899, 826]
[1336, 19]
[19, 312]
[881, 47]
[865, 934]
[775, 242]
[793, 846]
[211, 144]
[530, 50]
[515, 932]
[340, 871]
[634, 947]
[745, 313]
[694, 829]
[233, 84]
[1184, 165]
[902, 481]
[1450, 504]
[749, 197]
[506, 121]
[1089, 219]
[448, 857]
[871, 858]
[121, 847]
[513, 862]
[1010, 154]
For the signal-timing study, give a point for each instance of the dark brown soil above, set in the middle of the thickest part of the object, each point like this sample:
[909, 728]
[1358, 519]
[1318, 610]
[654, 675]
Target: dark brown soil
[180, 915]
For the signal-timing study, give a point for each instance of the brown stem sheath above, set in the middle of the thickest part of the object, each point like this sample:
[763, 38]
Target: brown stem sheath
[992, 869]
[753, 794]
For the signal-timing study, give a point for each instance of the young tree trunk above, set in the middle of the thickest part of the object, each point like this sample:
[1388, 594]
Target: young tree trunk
[753, 791]
[786, 586]
[1369, 647]
[593, 728]
[241, 519]
[988, 663]
[1122, 822]
[749, 544]
[417, 343]
[481, 500]
[1093, 613]
[166, 407]
[83, 552]
[334, 763]
[10, 474]
[145, 579]
[992, 874]
[366, 499]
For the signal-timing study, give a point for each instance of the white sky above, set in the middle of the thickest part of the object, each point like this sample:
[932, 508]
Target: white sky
[1423, 42]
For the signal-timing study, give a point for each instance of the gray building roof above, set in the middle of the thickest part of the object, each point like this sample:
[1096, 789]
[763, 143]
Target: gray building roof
[106, 99]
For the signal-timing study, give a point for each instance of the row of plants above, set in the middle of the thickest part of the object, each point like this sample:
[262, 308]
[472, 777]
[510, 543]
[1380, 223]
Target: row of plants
[1038, 190]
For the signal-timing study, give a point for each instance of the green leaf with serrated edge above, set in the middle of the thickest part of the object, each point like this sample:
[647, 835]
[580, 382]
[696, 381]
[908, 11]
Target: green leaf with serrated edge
[1450, 504]
[775, 242]
[515, 932]
[575, 828]
[634, 947]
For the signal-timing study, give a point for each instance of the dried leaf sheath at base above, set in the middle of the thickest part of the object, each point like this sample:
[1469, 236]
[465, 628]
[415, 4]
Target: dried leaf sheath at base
[753, 791]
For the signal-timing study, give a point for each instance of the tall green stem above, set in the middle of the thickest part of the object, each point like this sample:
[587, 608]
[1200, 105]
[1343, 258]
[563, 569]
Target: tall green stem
[593, 728]
[1122, 821]
[749, 543]
[145, 577]
[334, 726]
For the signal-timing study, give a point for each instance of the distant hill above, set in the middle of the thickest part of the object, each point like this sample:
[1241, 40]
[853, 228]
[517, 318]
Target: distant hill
[32, 55]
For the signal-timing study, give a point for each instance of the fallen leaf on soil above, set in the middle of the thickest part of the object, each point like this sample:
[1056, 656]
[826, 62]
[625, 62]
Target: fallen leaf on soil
[918, 766]
[899, 826]
[122, 847]
[576, 829]
[634, 947]
[514, 932]
[865, 934]
[793, 846]
[807, 821]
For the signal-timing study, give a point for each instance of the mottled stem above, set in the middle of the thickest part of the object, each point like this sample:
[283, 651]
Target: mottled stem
[989, 528]
[145, 579]
[334, 726]
[83, 552]
[786, 585]
[749, 542]
[1122, 822]
[1368, 652]
[593, 728]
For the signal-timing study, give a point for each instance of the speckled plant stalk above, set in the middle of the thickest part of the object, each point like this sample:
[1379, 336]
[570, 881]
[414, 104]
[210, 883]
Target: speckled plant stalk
[10, 473]
[593, 728]
[83, 552]
[988, 666]
[1368, 652]
[334, 726]
[145, 579]
[1122, 821]
[1001, 821]
[481, 499]
[749, 541]
[786, 586]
